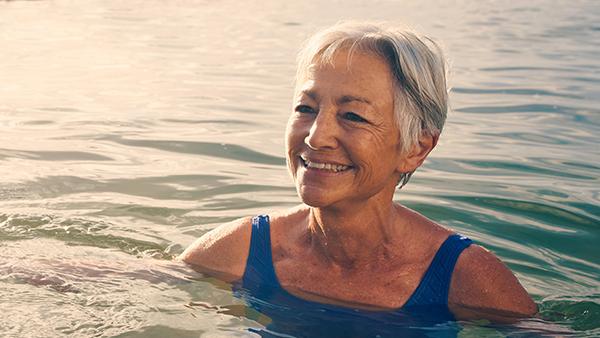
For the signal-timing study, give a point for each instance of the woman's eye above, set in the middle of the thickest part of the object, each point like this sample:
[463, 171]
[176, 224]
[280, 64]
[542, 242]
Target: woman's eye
[304, 109]
[353, 117]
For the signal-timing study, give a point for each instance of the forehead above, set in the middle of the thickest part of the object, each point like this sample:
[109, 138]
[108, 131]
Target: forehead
[348, 73]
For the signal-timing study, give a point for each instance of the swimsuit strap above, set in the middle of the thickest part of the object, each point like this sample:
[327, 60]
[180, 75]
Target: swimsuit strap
[260, 278]
[435, 285]
[259, 275]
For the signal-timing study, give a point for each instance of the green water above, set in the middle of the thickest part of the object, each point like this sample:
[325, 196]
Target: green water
[130, 128]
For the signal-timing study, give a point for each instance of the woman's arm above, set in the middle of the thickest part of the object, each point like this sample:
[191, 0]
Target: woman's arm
[483, 287]
[223, 251]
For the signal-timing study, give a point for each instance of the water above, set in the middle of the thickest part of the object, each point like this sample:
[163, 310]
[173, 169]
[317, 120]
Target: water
[130, 128]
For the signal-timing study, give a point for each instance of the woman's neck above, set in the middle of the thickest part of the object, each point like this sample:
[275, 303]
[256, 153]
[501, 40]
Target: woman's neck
[353, 237]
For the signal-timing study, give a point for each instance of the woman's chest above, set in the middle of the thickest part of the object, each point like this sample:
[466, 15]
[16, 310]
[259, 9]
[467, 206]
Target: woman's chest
[385, 286]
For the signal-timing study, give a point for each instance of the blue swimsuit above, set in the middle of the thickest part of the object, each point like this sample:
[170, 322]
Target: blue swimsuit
[427, 306]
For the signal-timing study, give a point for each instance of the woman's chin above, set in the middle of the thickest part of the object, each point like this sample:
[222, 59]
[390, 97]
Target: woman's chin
[321, 200]
[315, 203]
[314, 197]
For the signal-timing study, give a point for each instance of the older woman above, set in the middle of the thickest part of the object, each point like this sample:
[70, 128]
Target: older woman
[369, 105]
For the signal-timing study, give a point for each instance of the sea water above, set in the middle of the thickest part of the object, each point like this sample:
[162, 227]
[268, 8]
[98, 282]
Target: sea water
[130, 128]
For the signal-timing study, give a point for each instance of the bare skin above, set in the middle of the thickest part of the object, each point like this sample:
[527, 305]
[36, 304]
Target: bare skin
[482, 286]
[349, 244]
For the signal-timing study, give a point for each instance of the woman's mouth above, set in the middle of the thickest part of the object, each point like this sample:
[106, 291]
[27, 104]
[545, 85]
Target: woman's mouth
[324, 166]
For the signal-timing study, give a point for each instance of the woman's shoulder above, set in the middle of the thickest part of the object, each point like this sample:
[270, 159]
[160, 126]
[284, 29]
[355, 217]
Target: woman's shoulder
[223, 251]
[484, 287]
[423, 230]
[285, 222]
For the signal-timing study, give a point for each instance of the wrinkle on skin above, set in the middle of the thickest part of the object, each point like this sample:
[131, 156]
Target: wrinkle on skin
[348, 246]
[352, 215]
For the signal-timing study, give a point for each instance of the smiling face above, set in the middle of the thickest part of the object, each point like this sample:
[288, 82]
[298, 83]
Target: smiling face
[342, 141]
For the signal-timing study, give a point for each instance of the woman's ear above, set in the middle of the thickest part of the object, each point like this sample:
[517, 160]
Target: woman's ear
[418, 153]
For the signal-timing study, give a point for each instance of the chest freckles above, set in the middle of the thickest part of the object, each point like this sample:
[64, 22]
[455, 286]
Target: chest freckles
[384, 288]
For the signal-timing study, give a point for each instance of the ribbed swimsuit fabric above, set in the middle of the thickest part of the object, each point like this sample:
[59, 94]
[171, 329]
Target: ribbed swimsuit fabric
[260, 279]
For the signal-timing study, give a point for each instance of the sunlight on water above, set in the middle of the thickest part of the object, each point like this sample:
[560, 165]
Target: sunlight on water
[128, 129]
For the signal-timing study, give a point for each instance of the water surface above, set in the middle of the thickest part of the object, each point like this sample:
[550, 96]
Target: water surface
[130, 128]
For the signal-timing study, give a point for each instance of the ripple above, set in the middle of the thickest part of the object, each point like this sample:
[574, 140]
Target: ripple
[91, 291]
[482, 167]
[532, 69]
[534, 138]
[38, 122]
[75, 232]
[581, 314]
[504, 167]
[557, 218]
[514, 91]
[52, 155]
[172, 187]
[585, 79]
[220, 150]
[524, 108]
[198, 121]
[60, 109]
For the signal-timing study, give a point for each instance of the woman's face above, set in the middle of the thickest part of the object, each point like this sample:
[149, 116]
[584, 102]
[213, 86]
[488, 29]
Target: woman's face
[341, 139]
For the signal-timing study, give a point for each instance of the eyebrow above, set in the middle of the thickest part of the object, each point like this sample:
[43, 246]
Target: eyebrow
[310, 94]
[344, 99]
[351, 98]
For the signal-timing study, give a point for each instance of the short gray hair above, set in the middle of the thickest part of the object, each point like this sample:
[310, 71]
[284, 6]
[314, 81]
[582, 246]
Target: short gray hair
[417, 62]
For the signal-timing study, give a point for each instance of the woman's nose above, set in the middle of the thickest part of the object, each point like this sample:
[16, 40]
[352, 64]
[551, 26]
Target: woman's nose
[323, 132]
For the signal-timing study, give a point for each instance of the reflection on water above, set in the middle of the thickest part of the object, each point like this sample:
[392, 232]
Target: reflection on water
[128, 129]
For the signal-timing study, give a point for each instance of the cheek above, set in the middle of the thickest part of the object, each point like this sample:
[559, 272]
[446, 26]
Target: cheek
[294, 134]
[375, 155]
[293, 142]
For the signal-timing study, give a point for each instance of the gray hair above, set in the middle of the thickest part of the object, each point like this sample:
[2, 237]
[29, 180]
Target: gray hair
[418, 65]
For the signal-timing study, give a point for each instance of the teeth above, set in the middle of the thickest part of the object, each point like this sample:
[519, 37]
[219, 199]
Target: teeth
[325, 166]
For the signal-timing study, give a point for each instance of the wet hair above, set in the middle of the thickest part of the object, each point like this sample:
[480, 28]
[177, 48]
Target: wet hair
[417, 64]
